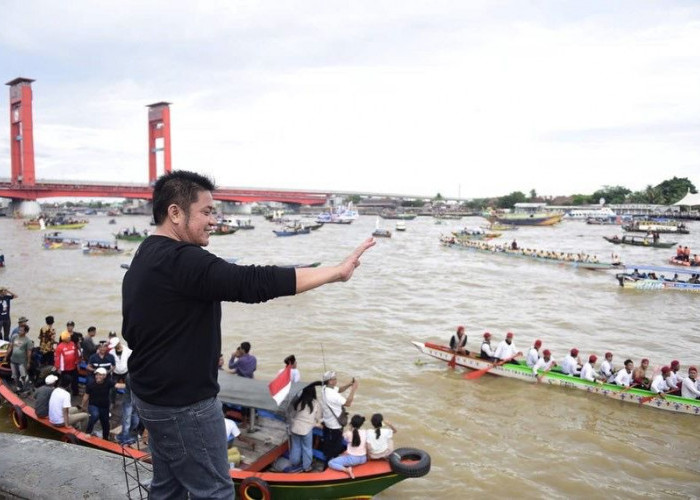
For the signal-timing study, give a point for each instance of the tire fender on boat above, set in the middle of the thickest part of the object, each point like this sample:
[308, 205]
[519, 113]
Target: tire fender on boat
[418, 465]
[69, 438]
[254, 485]
[18, 417]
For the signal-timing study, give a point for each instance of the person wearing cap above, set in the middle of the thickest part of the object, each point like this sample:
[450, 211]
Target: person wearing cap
[486, 349]
[623, 377]
[242, 363]
[571, 364]
[61, 411]
[66, 359]
[6, 298]
[533, 354]
[660, 384]
[458, 341]
[639, 375]
[506, 350]
[96, 400]
[334, 404]
[607, 369]
[588, 370]
[22, 321]
[676, 379]
[88, 345]
[689, 386]
[171, 319]
[545, 363]
[43, 394]
[121, 354]
[47, 341]
[102, 359]
[19, 353]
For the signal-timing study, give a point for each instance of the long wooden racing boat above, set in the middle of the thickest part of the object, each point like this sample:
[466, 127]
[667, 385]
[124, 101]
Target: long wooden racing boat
[639, 242]
[265, 441]
[581, 261]
[521, 371]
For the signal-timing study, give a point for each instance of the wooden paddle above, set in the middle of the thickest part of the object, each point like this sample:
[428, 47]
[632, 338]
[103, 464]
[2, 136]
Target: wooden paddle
[478, 373]
[646, 399]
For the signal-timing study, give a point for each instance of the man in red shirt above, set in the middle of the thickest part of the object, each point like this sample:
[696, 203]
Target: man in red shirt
[66, 360]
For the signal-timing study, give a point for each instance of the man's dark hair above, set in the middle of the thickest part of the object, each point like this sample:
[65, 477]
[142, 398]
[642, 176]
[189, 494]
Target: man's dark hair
[92, 329]
[245, 346]
[64, 380]
[179, 187]
[49, 320]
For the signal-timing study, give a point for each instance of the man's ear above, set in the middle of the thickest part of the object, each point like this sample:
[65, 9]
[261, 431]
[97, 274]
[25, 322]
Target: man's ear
[175, 214]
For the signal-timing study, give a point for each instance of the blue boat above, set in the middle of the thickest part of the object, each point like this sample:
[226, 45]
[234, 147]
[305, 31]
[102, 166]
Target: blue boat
[292, 231]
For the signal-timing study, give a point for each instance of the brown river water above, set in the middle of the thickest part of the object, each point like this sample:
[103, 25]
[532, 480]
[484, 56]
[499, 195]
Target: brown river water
[488, 438]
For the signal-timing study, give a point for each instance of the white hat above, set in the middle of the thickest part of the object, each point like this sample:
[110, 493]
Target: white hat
[330, 374]
[113, 342]
[101, 371]
[50, 379]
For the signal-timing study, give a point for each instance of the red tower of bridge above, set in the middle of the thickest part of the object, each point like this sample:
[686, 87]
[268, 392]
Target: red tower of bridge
[21, 132]
[158, 128]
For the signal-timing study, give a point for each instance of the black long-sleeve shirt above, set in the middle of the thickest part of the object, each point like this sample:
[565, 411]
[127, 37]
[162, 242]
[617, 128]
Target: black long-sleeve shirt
[171, 316]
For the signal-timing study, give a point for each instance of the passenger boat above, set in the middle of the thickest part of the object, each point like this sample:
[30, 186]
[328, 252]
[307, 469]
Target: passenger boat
[292, 231]
[101, 247]
[380, 232]
[527, 214]
[590, 213]
[640, 226]
[393, 214]
[577, 260]
[339, 215]
[55, 223]
[475, 233]
[646, 277]
[223, 228]
[639, 242]
[521, 371]
[132, 235]
[56, 241]
[604, 221]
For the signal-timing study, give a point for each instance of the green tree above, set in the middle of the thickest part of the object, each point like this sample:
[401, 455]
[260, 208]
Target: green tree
[510, 200]
[611, 194]
[533, 195]
[675, 189]
[580, 199]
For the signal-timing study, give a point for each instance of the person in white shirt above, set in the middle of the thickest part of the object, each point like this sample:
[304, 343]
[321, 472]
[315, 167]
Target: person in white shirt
[588, 370]
[676, 378]
[660, 384]
[486, 349]
[506, 350]
[606, 368]
[380, 443]
[571, 363]
[61, 412]
[546, 363]
[624, 376]
[533, 354]
[332, 403]
[458, 341]
[689, 387]
[291, 360]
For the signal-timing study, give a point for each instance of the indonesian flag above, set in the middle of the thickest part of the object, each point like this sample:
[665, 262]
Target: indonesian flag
[281, 384]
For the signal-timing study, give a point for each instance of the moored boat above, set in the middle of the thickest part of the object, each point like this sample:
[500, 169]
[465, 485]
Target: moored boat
[520, 371]
[639, 242]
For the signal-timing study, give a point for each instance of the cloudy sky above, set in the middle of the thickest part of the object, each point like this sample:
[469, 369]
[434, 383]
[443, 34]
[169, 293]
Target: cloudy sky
[465, 98]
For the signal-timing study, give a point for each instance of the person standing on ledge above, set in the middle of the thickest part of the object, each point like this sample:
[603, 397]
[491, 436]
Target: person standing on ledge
[171, 318]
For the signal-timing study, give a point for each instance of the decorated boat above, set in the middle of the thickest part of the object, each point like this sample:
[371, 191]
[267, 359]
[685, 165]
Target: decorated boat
[56, 241]
[520, 371]
[292, 231]
[647, 277]
[639, 241]
[101, 247]
[259, 453]
[645, 226]
[577, 260]
[526, 214]
[55, 223]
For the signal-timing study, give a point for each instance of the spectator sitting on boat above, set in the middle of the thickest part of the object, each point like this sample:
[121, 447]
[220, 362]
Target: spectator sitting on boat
[356, 451]
[380, 442]
[606, 368]
[305, 413]
[47, 340]
[546, 363]
[661, 383]
[43, 394]
[624, 375]
[689, 387]
[486, 349]
[291, 360]
[588, 370]
[61, 413]
[242, 363]
[96, 400]
[639, 375]
[506, 350]
[571, 364]
[332, 404]
[533, 355]
[458, 341]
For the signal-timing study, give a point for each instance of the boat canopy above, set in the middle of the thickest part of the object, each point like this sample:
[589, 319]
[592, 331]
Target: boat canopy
[253, 393]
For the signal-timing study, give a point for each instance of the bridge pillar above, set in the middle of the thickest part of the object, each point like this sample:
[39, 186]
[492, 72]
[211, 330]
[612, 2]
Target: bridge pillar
[158, 128]
[21, 132]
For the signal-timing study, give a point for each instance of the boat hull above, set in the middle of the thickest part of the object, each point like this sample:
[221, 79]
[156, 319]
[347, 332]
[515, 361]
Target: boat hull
[639, 397]
[528, 219]
[639, 243]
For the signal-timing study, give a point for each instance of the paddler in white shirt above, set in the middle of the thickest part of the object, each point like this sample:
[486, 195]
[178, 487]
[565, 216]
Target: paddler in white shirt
[624, 376]
[571, 365]
[676, 378]
[689, 388]
[545, 363]
[486, 350]
[660, 384]
[606, 368]
[533, 355]
[588, 370]
[506, 349]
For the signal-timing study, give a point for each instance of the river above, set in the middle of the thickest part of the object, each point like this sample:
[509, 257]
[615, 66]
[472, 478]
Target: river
[491, 437]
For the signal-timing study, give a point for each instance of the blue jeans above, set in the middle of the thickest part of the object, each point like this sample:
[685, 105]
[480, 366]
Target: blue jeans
[188, 445]
[302, 450]
[130, 420]
[102, 414]
[346, 461]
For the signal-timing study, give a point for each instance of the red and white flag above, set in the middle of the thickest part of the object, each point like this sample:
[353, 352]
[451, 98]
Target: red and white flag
[281, 384]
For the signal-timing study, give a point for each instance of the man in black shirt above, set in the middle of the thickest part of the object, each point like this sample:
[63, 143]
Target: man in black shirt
[171, 308]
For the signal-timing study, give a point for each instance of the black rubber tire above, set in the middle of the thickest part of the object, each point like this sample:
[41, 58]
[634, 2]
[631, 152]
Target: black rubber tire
[418, 466]
[69, 438]
[254, 485]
